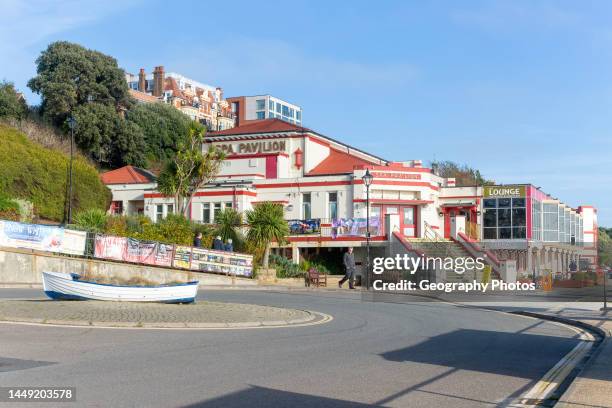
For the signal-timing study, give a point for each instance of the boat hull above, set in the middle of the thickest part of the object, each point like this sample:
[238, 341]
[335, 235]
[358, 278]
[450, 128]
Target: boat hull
[62, 286]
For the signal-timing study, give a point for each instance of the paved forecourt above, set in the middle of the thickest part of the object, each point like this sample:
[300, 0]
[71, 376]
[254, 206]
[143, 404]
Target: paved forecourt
[202, 314]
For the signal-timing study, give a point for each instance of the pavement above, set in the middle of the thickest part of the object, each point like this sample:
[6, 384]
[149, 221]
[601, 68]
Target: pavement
[422, 353]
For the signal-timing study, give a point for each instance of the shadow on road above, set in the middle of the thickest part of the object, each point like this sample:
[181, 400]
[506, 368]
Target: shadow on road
[513, 354]
[266, 397]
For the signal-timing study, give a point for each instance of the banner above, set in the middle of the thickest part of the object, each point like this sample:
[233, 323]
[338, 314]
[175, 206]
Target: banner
[182, 257]
[299, 227]
[344, 227]
[164, 254]
[207, 260]
[74, 242]
[107, 247]
[31, 236]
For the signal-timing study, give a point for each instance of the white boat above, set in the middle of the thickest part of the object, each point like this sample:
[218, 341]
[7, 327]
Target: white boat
[65, 286]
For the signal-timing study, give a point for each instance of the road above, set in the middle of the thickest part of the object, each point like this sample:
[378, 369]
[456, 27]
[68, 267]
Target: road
[422, 354]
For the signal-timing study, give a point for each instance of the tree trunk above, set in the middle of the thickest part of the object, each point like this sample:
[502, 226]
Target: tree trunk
[266, 256]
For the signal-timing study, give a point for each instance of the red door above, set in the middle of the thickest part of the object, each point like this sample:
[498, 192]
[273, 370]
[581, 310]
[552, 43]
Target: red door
[408, 221]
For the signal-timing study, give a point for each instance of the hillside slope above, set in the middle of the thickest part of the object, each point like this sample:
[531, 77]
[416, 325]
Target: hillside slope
[39, 175]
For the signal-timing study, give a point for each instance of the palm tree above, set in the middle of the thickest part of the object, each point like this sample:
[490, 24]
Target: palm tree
[266, 224]
[228, 223]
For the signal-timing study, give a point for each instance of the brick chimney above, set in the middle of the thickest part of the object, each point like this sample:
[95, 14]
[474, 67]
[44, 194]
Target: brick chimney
[158, 81]
[142, 81]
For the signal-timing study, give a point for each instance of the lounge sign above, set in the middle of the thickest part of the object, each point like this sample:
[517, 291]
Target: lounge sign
[258, 147]
[504, 191]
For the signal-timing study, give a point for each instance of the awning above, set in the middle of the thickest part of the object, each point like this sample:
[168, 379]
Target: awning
[460, 203]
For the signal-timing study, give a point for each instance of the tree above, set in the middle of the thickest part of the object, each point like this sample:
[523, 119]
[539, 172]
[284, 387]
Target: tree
[604, 247]
[463, 174]
[190, 170]
[228, 222]
[266, 224]
[12, 105]
[107, 137]
[164, 128]
[69, 76]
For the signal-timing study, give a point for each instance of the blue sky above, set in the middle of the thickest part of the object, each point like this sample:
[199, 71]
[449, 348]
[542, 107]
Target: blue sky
[521, 90]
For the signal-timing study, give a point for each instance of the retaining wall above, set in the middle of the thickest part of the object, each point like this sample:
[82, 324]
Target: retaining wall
[25, 267]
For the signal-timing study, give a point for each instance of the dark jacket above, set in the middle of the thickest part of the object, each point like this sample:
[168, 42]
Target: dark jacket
[349, 261]
[197, 242]
[229, 247]
[217, 244]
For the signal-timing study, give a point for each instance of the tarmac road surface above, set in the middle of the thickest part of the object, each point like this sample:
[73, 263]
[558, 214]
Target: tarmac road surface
[421, 354]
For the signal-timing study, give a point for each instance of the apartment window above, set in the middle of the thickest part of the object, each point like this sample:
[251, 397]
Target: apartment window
[285, 110]
[217, 209]
[159, 212]
[206, 213]
[169, 209]
[261, 115]
[298, 115]
[271, 105]
[278, 108]
[229, 204]
[333, 205]
[260, 104]
[306, 207]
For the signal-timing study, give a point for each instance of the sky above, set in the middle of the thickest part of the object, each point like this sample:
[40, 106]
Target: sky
[519, 89]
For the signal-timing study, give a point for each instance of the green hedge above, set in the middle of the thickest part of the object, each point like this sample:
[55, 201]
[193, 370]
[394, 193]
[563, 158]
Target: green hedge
[39, 175]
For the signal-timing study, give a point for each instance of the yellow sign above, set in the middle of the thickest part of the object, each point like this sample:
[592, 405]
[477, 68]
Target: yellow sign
[504, 191]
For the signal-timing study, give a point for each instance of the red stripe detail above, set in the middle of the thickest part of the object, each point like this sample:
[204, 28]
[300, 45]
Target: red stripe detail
[391, 201]
[206, 194]
[242, 175]
[305, 184]
[317, 238]
[251, 156]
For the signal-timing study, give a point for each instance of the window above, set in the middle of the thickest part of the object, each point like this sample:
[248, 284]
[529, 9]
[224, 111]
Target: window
[169, 209]
[278, 108]
[117, 207]
[333, 205]
[229, 204]
[285, 110]
[206, 213]
[298, 115]
[217, 210]
[306, 213]
[260, 104]
[271, 105]
[504, 218]
[261, 115]
[159, 212]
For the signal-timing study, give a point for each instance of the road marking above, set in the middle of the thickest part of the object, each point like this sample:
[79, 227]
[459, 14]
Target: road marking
[551, 381]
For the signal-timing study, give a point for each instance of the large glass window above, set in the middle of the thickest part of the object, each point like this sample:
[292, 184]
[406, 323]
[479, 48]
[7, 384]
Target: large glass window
[279, 108]
[333, 205]
[306, 213]
[159, 212]
[271, 105]
[504, 218]
[260, 104]
[261, 115]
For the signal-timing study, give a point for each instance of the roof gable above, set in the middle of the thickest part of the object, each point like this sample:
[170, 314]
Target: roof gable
[128, 175]
[261, 126]
[337, 162]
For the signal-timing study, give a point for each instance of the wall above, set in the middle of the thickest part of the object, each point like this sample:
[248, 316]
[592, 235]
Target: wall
[21, 266]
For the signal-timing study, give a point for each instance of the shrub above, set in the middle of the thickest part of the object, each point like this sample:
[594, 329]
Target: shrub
[34, 173]
[92, 220]
[285, 268]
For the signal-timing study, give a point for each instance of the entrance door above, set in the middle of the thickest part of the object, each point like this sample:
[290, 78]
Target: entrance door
[408, 221]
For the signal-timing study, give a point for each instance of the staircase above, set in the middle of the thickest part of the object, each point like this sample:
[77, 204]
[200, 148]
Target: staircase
[445, 249]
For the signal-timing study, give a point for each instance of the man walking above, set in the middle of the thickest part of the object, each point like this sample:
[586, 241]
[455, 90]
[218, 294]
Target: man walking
[349, 267]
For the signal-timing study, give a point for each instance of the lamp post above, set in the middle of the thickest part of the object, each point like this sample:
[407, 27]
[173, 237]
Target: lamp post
[71, 124]
[367, 181]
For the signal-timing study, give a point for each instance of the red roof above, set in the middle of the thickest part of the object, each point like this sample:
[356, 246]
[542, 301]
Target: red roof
[143, 97]
[261, 126]
[127, 175]
[337, 162]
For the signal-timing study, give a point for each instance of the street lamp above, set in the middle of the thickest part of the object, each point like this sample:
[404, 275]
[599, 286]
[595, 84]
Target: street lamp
[71, 124]
[367, 181]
